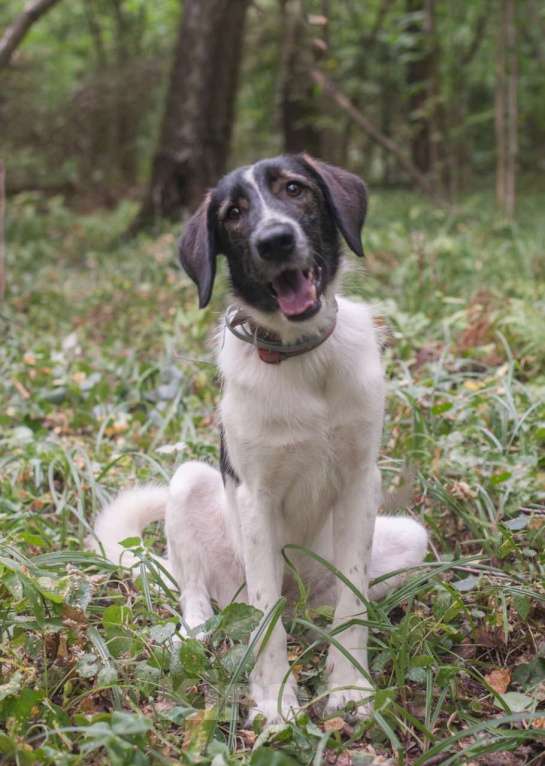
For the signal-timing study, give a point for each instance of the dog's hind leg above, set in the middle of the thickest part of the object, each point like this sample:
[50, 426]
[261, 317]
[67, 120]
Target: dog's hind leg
[200, 553]
[399, 542]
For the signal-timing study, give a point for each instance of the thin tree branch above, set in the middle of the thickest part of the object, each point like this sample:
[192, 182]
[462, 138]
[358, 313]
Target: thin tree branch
[475, 44]
[15, 33]
[371, 130]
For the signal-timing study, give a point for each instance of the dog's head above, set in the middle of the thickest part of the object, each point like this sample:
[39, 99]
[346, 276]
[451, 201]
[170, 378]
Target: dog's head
[278, 224]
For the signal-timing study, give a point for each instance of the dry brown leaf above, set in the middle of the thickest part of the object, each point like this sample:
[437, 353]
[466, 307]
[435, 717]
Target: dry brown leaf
[466, 650]
[248, 737]
[73, 615]
[462, 490]
[334, 724]
[499, 680]
[117, 427]
[22, 391]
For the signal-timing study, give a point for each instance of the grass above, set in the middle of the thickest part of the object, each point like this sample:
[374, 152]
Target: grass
[107, 379]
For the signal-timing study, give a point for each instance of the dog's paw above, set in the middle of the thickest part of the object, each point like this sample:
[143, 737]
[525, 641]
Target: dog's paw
[268, 708]
[355, 702]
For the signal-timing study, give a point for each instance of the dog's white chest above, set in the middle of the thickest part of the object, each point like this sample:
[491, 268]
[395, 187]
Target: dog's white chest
[296, 429]
[287, 448]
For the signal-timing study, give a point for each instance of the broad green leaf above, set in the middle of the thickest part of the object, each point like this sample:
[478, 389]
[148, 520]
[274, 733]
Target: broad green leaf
[193, 657]
[162, 633]
[239, 620]
[517, 702]
[127, 724]
[467, 584]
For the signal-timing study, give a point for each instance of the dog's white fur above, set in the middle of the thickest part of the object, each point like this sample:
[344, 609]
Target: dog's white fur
[303, 436]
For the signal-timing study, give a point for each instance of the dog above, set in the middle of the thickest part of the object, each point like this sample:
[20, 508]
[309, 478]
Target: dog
[301, 421]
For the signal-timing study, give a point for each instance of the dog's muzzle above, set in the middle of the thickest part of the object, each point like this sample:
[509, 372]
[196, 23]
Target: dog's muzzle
[285, 266]
[276, 243]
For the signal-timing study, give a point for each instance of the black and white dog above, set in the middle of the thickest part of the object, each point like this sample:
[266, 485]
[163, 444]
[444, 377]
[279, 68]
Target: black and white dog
[301, 413]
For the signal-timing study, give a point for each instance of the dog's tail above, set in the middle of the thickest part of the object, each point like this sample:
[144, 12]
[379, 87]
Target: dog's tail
[127, 516]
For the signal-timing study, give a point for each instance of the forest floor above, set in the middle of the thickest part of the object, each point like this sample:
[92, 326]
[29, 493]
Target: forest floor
[107, 379]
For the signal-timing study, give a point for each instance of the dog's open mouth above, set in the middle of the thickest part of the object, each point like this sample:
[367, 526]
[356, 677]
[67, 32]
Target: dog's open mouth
[297, 292]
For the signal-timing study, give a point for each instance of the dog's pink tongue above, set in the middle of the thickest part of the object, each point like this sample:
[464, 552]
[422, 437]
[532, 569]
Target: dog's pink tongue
[295, 293]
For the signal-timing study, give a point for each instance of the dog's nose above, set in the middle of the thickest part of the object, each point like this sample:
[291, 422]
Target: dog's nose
[276, 243]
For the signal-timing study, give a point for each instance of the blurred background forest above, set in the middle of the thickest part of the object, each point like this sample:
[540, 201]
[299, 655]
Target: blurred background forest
[108, 99]
[115, 116]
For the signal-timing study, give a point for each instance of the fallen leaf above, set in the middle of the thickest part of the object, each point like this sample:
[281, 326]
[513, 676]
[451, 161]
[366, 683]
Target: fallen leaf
[198, 727]
[466, 650]
[334, 724]
[474, 385]
[117, 427]
[248, 737]
[499, 680]
[517, 702]
[462, 490]
[23, 392]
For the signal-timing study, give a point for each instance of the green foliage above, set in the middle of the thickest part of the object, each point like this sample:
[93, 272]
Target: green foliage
[107, 379]
[82, 102]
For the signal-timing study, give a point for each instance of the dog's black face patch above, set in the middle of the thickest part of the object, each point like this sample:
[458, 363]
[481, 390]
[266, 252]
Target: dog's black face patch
[278, 224]
[272, 222]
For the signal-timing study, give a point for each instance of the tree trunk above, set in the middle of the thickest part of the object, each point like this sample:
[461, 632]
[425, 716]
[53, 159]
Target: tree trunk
[333, 137]
[506, 109]
[460, 148]
[2, 233]
[440, 161]
[299, 103]
[125, 125]
[386, 116]
[15, 34]
[419, 77]
[197, 122]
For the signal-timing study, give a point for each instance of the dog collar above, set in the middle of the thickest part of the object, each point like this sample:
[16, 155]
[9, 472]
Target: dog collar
[269, 346]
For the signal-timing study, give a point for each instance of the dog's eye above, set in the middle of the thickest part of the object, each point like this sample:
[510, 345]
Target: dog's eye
[234, 213]
[293, 188]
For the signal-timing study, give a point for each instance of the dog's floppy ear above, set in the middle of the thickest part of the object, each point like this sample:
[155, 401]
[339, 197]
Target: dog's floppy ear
[197, 249]
[346, 195]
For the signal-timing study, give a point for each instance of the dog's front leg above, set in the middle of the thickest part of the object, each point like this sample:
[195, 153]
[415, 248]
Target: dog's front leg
[264, 573]
[353, 525]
